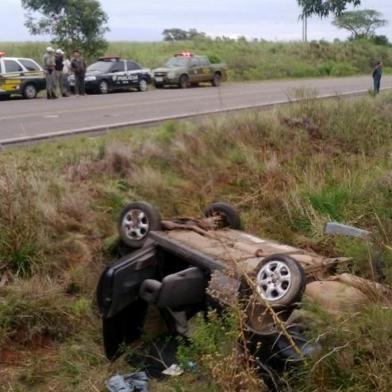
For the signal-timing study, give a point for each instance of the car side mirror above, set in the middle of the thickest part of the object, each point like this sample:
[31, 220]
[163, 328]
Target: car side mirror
[335, 228]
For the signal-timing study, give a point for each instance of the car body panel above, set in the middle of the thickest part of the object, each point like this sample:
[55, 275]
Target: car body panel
[229, 248]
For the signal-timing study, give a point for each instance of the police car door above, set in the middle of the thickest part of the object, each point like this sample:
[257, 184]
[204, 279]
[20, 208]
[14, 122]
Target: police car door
[196, 70]
[133, 73]
[13, 72]
[118, 74]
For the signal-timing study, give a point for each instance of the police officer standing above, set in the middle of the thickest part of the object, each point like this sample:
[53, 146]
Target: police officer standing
[49, 67]
[78, 67]
[58, 72]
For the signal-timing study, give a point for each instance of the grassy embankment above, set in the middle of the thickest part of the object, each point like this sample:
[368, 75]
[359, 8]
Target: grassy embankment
[250, 60]
[288, 171]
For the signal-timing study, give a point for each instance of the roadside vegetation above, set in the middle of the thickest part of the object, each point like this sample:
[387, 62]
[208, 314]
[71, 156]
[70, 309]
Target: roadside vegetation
[288, 171]
[250, 60]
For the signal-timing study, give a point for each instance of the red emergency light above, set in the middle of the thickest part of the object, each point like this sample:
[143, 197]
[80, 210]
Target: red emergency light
[109, 58]
[184, 54]
[2, 54]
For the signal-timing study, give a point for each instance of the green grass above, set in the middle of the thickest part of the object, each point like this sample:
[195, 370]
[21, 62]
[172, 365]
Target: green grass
[249, 60]
[289, 171]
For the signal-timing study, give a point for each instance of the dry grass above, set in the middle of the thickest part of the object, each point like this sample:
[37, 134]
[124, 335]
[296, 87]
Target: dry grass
[289, 171]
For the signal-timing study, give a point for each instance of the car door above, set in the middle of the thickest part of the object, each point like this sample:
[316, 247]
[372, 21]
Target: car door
[133, 73]
[122, 310]
[205, 72]
[13, 71]
[33, 72]
[194, 72]
[118, 75]
[13, 68]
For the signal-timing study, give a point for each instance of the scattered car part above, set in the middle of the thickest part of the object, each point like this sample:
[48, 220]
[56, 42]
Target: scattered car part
[335, 228]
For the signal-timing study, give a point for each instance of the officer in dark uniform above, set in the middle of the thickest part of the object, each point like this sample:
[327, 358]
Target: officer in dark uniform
[377, 74]
[78, 67]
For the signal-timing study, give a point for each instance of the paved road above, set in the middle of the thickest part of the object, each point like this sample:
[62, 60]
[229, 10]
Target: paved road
[20, 119]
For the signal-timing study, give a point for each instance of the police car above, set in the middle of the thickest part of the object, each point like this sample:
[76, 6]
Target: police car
[186, 69]
[21, 76]
[109, 74]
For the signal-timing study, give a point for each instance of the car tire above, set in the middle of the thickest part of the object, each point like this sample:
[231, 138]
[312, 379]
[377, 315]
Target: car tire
[184, 81]
[29, 91]
[103, 87]
[143, 85]
[216, 81]
[280, 280]
[136, 221]
[228, 214]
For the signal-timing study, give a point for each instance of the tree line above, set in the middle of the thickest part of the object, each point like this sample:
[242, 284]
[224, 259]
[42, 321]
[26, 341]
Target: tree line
[82, 24]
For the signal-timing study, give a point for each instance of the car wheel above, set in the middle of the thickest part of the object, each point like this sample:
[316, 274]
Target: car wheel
[136, 221]
[29, 91]
[281, 280]
[228, 215]
[103, 87]
[143, 85]
[216, 81]
[184, 81]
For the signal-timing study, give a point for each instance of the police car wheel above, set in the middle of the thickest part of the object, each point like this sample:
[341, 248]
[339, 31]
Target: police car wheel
[184, 81]
[29, 91]
[143, 86]
[103, 87]
[217, 80]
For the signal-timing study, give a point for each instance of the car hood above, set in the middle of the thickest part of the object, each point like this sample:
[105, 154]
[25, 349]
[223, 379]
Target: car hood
[167, 69]
[93, 73]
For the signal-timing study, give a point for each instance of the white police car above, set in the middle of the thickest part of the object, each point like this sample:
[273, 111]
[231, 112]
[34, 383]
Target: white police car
[21, 76]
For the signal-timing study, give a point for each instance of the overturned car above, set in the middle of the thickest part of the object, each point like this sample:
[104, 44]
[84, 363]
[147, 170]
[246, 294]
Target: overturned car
[185, 266]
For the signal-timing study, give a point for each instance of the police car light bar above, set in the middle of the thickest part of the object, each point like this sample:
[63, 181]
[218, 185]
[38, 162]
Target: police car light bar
[2, 54]
[109, 58]
[184, 54]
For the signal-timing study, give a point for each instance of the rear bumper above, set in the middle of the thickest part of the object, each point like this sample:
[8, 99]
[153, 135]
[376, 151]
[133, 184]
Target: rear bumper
[164, 80]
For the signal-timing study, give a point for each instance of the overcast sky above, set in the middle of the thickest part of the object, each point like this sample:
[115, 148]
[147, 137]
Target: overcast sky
[144, 20]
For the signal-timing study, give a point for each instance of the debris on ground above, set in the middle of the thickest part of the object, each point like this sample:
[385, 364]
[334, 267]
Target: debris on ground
[174, 371]
[134, 382]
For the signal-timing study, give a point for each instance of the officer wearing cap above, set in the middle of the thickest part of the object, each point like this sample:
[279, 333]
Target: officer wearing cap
[58, 72]
[49, 64]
